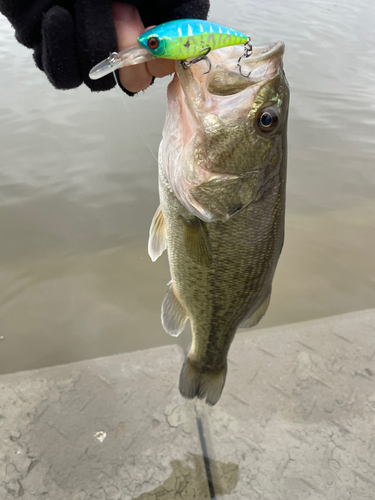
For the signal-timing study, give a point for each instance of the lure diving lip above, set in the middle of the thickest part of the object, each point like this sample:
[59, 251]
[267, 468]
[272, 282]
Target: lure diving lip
[178, 40]
[116, 60]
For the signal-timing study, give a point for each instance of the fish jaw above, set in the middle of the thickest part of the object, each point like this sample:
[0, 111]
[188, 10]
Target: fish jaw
[210, 130]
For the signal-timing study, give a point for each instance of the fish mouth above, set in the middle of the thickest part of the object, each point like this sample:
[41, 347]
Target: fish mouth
[224, 91]
[259, 54]
[262, 64]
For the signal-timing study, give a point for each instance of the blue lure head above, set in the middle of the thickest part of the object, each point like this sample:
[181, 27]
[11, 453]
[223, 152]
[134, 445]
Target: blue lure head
[152, 42]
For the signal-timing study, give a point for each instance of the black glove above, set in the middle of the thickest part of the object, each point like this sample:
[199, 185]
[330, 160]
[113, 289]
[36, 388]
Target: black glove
[70, 38]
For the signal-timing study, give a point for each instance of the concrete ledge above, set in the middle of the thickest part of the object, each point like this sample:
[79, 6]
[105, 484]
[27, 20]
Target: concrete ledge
[296, 421]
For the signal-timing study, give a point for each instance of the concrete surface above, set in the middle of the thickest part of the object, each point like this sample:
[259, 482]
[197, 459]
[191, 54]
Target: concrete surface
[296, 421]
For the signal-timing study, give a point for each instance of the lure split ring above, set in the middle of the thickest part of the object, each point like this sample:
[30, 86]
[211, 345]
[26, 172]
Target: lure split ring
[248, 49]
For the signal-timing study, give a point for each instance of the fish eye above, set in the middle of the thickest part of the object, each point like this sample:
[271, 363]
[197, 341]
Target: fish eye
[268, 119]
[153, 43]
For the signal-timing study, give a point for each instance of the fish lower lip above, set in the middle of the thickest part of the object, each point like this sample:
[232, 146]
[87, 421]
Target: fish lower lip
[264, 53]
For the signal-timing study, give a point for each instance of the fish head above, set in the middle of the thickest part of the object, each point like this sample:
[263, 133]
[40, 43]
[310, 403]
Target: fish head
[153, 42]
[224, 139]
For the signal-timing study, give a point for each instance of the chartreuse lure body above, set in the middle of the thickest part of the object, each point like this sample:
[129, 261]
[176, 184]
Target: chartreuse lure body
[188, 38]
[179, 40]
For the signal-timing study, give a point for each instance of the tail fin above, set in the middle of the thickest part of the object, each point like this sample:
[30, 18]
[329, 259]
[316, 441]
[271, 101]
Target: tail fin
[195, 382]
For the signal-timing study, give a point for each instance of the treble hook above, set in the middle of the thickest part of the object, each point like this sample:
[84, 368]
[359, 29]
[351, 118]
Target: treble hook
[203, 57]
[247, 51]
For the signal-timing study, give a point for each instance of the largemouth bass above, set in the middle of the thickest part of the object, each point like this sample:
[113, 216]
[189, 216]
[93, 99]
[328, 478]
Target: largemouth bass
[222, 174]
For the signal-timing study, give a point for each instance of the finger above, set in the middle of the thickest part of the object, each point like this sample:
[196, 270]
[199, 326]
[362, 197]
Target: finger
[128, 27]
[94, 38]
[160, 67]
[58, 54]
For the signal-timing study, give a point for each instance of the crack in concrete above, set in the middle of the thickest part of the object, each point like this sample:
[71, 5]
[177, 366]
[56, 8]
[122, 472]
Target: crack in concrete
[342, 338]
[360, 374]
[279, 389]
[32, 465]
[266, 352]
[21, 490]
[239, 399]
[364, 478]
[310, 485]
[322, 382]
[305, 345]
[340, 426]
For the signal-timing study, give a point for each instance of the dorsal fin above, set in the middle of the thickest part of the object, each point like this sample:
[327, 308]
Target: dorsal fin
[157, 241]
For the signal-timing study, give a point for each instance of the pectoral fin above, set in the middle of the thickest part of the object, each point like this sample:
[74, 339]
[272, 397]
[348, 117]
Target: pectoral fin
[257, 315]
[220, 196]
[157, 241]
[173, 315]
[196, 240]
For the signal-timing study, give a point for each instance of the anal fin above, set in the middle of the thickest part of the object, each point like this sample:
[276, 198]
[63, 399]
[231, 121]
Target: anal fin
[257, 315]
[173, 315]
[157, 241]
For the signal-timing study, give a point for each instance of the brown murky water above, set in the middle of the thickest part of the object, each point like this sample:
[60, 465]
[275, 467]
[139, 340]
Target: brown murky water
[78, 189]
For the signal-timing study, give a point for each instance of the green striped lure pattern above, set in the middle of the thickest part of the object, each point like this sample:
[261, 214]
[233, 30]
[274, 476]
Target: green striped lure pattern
[181, 40]
[188, 38]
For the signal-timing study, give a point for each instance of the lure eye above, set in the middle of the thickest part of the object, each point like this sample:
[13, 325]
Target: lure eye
[268, 120]
[152, 43]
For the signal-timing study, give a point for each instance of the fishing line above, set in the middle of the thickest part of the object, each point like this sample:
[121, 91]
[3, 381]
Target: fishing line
[132, 117]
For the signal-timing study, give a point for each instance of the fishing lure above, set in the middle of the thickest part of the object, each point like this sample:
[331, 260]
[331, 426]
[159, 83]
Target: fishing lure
[179, 40]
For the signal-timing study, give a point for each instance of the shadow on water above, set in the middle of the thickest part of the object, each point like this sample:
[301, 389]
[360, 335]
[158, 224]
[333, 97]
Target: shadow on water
[189, 480]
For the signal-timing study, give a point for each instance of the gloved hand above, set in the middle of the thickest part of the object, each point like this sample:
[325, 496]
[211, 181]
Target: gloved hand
[70, 38]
